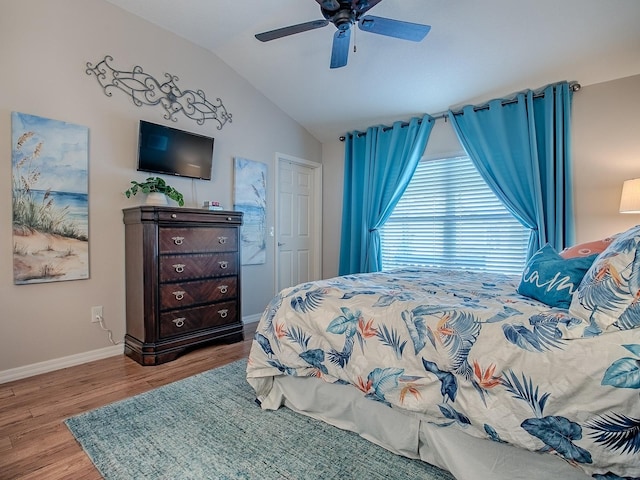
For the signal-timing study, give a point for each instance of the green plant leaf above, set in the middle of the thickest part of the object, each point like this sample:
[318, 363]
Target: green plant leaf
[155, 184]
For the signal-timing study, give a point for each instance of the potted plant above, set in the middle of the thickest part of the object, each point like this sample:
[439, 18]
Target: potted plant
[155, 185]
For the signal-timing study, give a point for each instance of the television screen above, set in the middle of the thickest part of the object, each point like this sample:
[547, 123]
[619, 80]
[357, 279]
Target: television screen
[171, 151]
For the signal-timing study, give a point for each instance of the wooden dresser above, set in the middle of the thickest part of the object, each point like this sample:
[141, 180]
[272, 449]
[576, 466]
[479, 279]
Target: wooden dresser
[182, 280]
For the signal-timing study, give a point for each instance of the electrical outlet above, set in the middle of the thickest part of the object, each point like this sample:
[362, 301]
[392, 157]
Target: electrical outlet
[96, 314]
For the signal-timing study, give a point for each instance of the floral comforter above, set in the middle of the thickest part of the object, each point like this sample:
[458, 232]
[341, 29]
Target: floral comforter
[463, 350]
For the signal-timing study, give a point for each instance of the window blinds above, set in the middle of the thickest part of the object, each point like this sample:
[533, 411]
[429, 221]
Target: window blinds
[448, 217]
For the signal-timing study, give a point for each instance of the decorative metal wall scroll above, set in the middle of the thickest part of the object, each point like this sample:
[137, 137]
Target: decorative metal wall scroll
[146, 90]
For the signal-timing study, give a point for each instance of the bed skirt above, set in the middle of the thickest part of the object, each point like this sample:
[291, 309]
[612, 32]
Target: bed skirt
[401, 432]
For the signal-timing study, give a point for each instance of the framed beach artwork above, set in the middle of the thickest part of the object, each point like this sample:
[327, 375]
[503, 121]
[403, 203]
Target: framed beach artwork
[250, 197]
[49, 161]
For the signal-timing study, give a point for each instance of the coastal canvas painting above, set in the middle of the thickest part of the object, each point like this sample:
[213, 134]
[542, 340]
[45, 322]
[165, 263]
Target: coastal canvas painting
[250, 197]
[49, 161]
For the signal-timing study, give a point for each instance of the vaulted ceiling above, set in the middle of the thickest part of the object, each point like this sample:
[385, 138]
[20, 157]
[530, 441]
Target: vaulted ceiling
[475, 51]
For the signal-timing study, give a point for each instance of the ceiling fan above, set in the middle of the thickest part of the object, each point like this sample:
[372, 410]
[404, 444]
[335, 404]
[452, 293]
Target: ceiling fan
[343, 14]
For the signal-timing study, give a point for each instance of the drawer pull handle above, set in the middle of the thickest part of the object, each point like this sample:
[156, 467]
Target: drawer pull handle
[178, 240]
[223, 313]
[179, 267]
[179, 321]
[179, 295]
[224, 264]
[222, 240]
[223, 288]
[173, 215]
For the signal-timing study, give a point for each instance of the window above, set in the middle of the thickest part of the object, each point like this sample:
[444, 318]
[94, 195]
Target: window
[449, 217]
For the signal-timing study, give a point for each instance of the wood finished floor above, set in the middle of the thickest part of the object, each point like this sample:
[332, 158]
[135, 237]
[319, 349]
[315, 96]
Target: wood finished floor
[35, 444]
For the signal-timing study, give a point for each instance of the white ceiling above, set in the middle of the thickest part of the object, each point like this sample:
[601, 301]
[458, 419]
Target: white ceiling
[476, 51]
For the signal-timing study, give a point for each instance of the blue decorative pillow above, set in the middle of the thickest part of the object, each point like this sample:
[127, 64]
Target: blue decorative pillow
[552, 279]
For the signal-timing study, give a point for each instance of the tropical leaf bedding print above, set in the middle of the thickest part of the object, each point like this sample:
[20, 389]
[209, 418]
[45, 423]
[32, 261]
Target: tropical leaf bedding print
[463, 350]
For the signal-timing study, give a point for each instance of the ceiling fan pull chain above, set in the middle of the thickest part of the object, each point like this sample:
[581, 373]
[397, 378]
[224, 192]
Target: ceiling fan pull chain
[355, 35]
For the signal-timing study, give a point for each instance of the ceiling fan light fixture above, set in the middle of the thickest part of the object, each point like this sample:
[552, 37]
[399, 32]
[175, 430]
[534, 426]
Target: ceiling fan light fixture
[344, 19]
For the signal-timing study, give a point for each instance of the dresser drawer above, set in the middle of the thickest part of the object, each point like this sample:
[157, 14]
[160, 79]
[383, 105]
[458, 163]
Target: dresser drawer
[197, 239]
[178, 322]
[190, 216]
[186, 267]
[186, 294]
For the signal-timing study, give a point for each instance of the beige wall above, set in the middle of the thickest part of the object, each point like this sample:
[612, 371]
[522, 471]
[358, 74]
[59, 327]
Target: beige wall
[606, 151]
[44, 48]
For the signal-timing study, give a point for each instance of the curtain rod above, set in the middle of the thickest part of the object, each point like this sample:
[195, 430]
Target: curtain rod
[575, 87]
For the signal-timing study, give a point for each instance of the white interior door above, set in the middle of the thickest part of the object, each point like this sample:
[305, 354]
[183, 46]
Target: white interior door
[299, 220]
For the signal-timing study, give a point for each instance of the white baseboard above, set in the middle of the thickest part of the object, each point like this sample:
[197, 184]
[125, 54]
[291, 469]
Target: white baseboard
[58, 363]
[252, 318]
[78, 359]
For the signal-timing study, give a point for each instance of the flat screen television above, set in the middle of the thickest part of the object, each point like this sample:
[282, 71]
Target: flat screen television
[167, 150]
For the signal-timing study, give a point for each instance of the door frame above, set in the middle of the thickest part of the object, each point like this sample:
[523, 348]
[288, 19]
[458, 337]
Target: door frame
[316, 238]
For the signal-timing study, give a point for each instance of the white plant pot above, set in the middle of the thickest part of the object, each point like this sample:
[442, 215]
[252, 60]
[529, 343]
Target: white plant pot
[156, 198]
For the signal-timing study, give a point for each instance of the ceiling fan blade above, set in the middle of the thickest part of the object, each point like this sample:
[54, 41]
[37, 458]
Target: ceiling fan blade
[291, 30]
[362, 6]
[340, 50]
[414, 32]
[330, 5]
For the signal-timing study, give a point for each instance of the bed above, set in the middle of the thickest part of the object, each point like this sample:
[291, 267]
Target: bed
[463, 370]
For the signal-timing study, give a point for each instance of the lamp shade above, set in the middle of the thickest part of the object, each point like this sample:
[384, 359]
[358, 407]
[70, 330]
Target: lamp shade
[630, 198]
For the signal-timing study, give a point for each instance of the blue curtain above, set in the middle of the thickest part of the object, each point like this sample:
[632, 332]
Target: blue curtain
[378, 167]
[521, 148]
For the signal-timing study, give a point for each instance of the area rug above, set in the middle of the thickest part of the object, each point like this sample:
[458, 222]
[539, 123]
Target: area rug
[209, 427]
